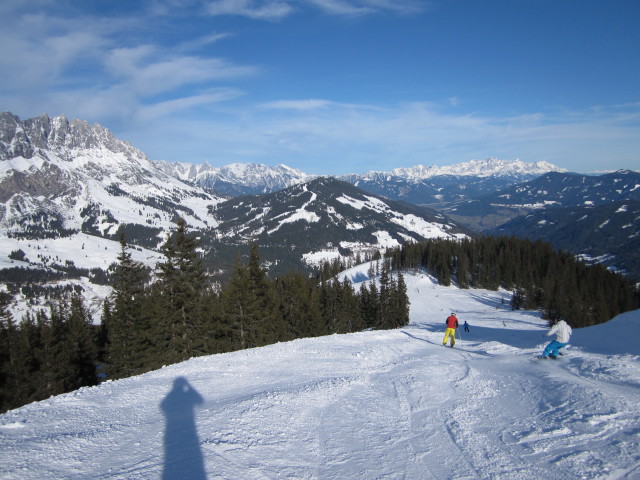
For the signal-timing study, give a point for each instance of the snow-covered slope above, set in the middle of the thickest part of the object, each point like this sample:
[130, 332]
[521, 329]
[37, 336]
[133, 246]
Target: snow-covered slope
[384, 404]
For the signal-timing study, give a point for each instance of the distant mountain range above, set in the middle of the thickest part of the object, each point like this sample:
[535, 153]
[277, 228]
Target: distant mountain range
[68, 189]
[420, 185]
[552, 190]
[439, 186]
[238, 178]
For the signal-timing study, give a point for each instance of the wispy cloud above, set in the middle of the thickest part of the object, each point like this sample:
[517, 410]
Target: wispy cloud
[310, 104]
[266, 10]
[322, 136]
[59, 60]
[277, 9]
[145, 70]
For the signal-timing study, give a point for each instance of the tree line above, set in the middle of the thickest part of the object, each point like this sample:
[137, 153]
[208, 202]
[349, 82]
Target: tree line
[179, 315]
[538, 277]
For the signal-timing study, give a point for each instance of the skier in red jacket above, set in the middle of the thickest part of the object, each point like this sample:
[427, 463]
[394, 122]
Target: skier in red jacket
[452, 324]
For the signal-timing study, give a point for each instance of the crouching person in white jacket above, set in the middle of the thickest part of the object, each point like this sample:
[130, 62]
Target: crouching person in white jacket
[563, 332]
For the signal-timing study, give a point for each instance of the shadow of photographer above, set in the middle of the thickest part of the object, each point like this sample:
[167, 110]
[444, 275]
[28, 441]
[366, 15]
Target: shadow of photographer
[182, 454]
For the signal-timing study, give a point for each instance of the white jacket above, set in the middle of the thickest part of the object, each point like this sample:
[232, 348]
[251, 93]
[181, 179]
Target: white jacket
[562, 331]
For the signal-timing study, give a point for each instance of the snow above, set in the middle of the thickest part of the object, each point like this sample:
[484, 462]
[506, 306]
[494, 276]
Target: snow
[87, 251]
[411, 222]
[379, 404]
[480, 168]
[301, 214]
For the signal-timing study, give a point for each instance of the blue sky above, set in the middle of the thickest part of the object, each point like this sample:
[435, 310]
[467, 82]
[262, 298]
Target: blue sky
[336, 86]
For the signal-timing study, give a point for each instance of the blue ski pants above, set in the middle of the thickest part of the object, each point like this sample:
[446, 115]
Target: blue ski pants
[553, 348]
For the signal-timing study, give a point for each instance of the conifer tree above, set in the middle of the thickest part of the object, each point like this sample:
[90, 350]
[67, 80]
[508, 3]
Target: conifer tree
[401, 301]
[240, 306]
[181, 283]
[80, 347]
[370, 305]
[250, 305]
[299, 306]
[54, 358]
[8, 360]
[124, 324]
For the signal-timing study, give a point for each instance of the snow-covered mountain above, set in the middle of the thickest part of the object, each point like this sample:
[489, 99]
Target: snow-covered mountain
[61, 178]
[420, 184]
[237, 178]
[323, 219]
[491, 167]
[607, 234]
[439, 186]
[380, 404]
[594, 216]
[67, 189]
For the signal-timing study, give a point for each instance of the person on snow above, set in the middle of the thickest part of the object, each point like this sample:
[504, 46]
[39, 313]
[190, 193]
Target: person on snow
[563, 332]
[466, 326]
[452, 324]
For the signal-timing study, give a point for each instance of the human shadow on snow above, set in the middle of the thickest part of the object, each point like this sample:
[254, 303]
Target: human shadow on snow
[182, 454]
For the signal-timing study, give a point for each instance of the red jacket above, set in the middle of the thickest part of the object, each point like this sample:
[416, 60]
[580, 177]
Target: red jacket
[452, 321]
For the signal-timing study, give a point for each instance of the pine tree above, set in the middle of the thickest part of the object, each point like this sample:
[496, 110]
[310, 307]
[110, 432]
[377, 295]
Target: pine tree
[54, 359]
[250, 305]
[181, 282]
[8, 360]
[370, 305]
[239, 304]
[401, 301]
[80, 347]
[124, 324]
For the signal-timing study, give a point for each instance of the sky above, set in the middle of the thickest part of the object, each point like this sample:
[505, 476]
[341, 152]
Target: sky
[336, 86]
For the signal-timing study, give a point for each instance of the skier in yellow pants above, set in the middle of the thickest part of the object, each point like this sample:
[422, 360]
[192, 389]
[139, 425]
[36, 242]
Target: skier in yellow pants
[452, 324]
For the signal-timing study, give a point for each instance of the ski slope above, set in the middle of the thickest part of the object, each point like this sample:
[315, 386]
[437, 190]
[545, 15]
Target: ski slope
[372, 405]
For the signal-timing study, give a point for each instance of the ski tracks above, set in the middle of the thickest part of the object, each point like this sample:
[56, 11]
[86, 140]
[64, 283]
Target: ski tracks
[548, 435]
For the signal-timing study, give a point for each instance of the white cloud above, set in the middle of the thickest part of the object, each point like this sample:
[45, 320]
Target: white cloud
[277, 9]
[147, 72]
[310, 104]
[265, 10]
[337, 138]
[170, 107]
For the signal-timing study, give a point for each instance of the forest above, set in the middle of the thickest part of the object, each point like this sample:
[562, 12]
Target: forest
[147, 323]
[538, 276]
[177, 313]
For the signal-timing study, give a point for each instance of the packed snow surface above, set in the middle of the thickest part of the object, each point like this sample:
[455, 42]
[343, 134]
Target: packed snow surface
[372, 405]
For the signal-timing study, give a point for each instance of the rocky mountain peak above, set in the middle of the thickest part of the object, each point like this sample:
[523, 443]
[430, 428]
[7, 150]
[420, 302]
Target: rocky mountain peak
[67, 139]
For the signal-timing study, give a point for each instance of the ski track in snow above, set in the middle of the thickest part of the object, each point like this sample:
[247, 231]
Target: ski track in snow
[372, 405]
